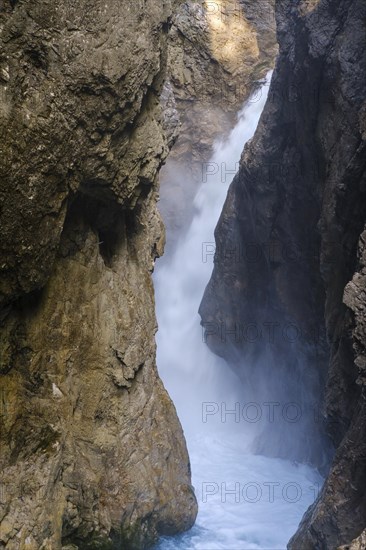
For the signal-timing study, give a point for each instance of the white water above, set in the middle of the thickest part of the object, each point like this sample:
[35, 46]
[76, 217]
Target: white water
[245, 501]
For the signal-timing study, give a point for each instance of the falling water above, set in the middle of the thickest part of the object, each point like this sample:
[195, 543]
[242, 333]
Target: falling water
[246, 501]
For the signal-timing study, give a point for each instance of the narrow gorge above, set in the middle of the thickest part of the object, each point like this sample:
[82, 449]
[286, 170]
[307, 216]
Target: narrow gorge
[183, 274]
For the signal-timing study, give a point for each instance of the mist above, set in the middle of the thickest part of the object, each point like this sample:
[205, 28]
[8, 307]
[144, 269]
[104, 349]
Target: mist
[238, 435]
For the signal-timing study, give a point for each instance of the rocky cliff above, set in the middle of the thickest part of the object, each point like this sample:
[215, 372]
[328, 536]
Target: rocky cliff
[217, 53]
[286, 302]
[92, 452]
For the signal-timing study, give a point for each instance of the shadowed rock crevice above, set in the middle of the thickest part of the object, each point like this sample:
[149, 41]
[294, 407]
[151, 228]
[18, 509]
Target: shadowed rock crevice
[299, 201]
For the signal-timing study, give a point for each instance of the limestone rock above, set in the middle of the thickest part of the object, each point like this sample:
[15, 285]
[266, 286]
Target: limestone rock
[92, 452]
[357, 544]
[218, 51]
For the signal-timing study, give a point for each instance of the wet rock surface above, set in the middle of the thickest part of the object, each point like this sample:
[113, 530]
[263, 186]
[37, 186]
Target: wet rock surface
[290, 254]
[218, 52]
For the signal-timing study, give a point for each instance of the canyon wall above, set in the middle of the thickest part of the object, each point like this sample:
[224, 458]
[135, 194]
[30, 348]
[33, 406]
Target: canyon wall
[92, 452]
[286, 301]
[218, 52]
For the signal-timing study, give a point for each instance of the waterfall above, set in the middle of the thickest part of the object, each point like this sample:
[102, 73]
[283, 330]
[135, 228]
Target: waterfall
[246, 501]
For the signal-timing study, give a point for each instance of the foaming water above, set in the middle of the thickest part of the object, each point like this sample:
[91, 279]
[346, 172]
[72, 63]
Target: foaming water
[246, 501]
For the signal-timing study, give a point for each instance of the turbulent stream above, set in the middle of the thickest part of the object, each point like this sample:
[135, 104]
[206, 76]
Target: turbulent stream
[246, 501]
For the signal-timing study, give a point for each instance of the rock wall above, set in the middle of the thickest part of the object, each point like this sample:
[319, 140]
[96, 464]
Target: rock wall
[218, 51]
[290, 260]
[92, 452]
[356, 544]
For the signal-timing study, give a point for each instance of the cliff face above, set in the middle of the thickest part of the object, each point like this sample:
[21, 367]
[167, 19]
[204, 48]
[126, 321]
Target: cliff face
[290, 260]
[92, 452]
[217, 53]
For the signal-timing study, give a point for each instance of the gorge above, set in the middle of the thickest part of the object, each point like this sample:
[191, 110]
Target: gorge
[242, 496]
[93, 454]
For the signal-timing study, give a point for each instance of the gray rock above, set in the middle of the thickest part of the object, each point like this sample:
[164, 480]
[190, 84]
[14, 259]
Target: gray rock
[298, 201]
[217, 54]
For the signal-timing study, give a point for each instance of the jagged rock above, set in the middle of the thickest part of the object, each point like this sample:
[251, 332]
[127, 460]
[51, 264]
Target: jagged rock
[218, 51]
[294, 216]
[357, 544]
[92, 452]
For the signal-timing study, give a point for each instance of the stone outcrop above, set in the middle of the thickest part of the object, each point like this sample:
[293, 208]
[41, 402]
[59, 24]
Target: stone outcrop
[92, 452]
[290, 258]
[218, 51]
[356, 544]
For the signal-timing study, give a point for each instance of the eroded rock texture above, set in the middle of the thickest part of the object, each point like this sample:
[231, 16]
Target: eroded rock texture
[356, 544]
[290, 258]
[92, 452]
[218, 51]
